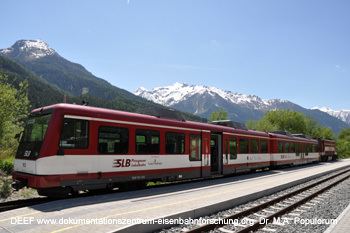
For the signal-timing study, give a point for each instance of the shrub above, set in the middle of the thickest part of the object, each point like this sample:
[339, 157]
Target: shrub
[5, 187]
[6, 165]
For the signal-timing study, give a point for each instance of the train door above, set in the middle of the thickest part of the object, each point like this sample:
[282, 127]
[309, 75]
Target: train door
[206, 154]
[302, 152]
[216, 153]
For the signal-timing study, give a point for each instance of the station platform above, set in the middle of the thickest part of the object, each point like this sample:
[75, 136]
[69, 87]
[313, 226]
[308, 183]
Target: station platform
[343, 223]
[188, 200]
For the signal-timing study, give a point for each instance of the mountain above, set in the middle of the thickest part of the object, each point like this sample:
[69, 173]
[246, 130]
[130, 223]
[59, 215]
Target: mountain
[343, 115]
[202, 100]
[40, 93]
[38, 57]
[44, 64]
[29, 50]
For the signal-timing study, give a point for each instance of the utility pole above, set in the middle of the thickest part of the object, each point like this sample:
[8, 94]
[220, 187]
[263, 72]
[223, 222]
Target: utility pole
[85, 95]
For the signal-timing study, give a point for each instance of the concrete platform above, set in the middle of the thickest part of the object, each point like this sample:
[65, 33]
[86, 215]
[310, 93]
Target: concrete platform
[343, 223]
[183, 200]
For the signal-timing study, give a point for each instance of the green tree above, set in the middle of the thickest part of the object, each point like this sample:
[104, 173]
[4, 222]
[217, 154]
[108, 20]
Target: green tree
[14, 108]
[291, 121]
[344, 134]
[221, 114]
[343, 143]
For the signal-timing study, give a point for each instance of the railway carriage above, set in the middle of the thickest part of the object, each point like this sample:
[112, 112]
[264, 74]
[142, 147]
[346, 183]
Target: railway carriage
[245, 150]
[327, 150]
[66, 148]
[287, 149]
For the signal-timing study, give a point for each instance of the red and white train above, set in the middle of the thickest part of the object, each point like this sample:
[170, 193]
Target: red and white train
[66, 148]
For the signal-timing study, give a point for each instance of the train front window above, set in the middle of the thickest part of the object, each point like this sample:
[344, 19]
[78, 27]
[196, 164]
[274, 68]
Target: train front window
[33, 136]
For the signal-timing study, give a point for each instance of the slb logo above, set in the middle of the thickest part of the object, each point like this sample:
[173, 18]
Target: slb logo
[122, 163]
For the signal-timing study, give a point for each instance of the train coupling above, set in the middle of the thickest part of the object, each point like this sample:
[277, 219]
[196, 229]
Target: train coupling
[18, 184]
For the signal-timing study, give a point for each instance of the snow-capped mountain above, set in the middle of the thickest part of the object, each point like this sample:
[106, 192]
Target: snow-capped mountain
[343, 115]
[202, 100]
[178, 92]
[29, 49]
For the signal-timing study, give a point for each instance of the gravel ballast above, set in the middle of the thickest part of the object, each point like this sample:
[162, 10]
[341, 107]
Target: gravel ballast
[334, 203]
[326, 207]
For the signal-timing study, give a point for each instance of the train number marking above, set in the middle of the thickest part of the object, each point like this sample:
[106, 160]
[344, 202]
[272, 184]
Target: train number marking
[27, 153]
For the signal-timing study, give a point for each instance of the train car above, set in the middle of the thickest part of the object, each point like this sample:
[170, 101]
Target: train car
[66, 148]
[287, 149]
[245, 150]
[327, 150]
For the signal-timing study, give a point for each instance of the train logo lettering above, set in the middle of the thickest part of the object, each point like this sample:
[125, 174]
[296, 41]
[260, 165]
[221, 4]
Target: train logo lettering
[121, 163]
[129, 163]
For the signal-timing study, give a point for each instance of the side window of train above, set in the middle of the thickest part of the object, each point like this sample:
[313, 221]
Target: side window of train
[255, 146]
[195, 148]
[280, 147]
[75, 134]
[113, 140]
[233, 148]
[307, 149]
[292, 147]
[175, 143]
[263, 146]
[286, 147]
[297, 149]
[147, 141]
[243, 146]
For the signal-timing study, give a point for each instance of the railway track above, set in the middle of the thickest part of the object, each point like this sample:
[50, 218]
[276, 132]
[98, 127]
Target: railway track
[257, 216]
[10, 205]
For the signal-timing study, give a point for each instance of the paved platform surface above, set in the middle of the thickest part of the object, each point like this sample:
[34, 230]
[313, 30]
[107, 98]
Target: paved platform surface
[190, 199]
[343, 224]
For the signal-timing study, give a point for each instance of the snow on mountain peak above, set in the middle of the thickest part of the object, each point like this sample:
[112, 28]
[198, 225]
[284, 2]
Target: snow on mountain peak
[173, 94]
[33, 49]
[343, 115]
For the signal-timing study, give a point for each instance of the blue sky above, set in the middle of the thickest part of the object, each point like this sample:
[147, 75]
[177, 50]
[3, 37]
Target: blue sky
[293, 49]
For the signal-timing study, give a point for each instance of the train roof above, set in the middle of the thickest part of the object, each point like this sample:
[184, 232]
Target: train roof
[111, 114]
[103, 113]
[292, 138]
